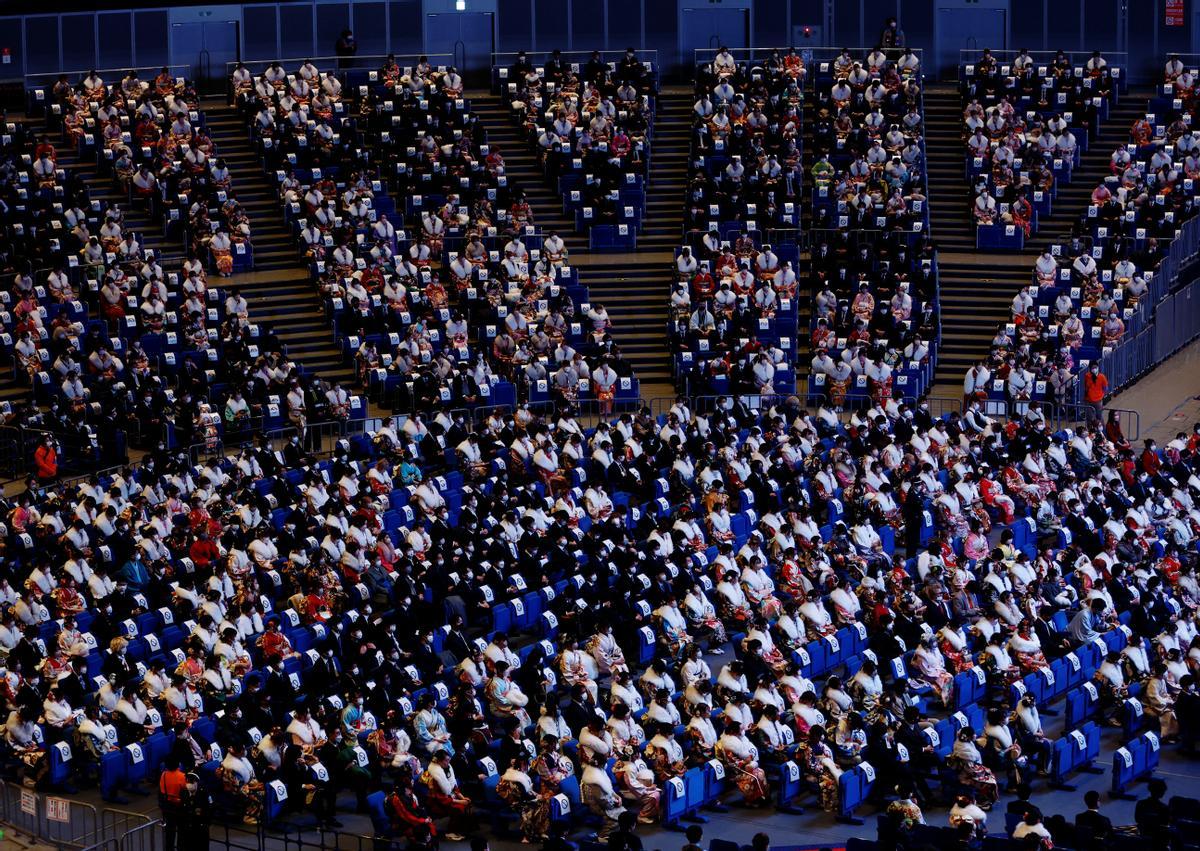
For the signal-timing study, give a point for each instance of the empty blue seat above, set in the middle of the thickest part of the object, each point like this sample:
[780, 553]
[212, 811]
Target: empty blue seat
[520, 614]
[853, 788]
[502, 617]
[112, 776]
[714, 780]
[835, 650]
[817, 661]
[697, 788]
[674, 801]
[381, 824]
[156, 748]
[969, 688]
[789, 786]
[137, 766]
[646, 648]
[59, 761]
[274, 797]
[1082, 704]
[1075, 751]
[1132, 716]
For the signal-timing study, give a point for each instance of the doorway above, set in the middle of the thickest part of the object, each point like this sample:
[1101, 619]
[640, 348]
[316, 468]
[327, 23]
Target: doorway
[962, 29]
[469, 36]
[710, 28]
[206, 47]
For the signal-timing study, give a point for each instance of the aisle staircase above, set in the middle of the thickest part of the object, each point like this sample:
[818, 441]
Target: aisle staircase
[632, 287]
[977, 288]
[279, 290]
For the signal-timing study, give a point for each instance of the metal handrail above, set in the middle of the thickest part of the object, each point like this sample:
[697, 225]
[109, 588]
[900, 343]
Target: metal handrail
[501, 59]
[320, 839]
[1077, 58]
[111, 76]
[810, 54]
[341, 63]
[144, 837]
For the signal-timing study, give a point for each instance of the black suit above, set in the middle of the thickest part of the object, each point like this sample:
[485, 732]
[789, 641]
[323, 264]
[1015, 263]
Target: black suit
[1091, 830]
[1054, 643]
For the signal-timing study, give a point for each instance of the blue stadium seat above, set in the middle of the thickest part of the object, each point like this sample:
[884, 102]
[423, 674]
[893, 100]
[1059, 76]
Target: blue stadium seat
[853, 788]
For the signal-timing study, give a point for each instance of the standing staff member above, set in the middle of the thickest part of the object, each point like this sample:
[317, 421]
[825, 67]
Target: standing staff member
[1095, 388]
[172, 789]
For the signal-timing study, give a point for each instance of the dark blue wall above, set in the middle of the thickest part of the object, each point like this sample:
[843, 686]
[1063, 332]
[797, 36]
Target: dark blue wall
[41, 42]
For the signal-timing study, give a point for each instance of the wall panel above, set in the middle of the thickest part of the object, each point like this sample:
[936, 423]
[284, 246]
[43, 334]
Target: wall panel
[332, 18]
[370, 28]
[260, 32]
[587, 25]
[845, 24]
[662, 33]
[296, 28]
[515, 28]
[1100, 24]
[916, 19]
[150, 38]
[770, 24]
[1026, 24]
[551, 19]
[116, 40]
[406, 28]
[625, 23]
[41, 42]
[79, 41]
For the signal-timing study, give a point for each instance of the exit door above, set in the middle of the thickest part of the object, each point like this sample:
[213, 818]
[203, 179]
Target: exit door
[967, 29]
[469, 37]
[205, 47]
[710, 28]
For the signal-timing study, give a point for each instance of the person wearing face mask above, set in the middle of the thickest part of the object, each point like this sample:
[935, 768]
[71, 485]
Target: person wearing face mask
[355, 719]
[195, 814]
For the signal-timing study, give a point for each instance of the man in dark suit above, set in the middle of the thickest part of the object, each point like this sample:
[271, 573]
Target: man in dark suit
[1152, 815]
[1092, 828]
[456, 644]
[1054, 643]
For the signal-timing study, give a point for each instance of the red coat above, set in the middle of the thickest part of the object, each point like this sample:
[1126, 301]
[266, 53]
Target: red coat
[45, 462]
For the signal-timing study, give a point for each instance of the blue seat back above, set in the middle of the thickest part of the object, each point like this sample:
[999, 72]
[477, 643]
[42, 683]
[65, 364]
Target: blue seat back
[714, 780]
[697, 788]
[674, 800]
[379, 818]
[137, 764]
[112, 773]
[59, 756]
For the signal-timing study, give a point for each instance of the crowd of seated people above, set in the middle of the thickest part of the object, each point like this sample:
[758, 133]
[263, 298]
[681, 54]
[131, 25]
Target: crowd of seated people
[733, 315]
[151, 138]
[874, 326]
[63, 255]
[869, 172]
[118, 344]
[1088, 296]
[472, 622]
[439, 282]
[746, 143]
[1024, 128]
[590, 127]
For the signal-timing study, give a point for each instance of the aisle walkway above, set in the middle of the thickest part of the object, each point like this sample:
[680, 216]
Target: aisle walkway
[978, 287]
[633, 287]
